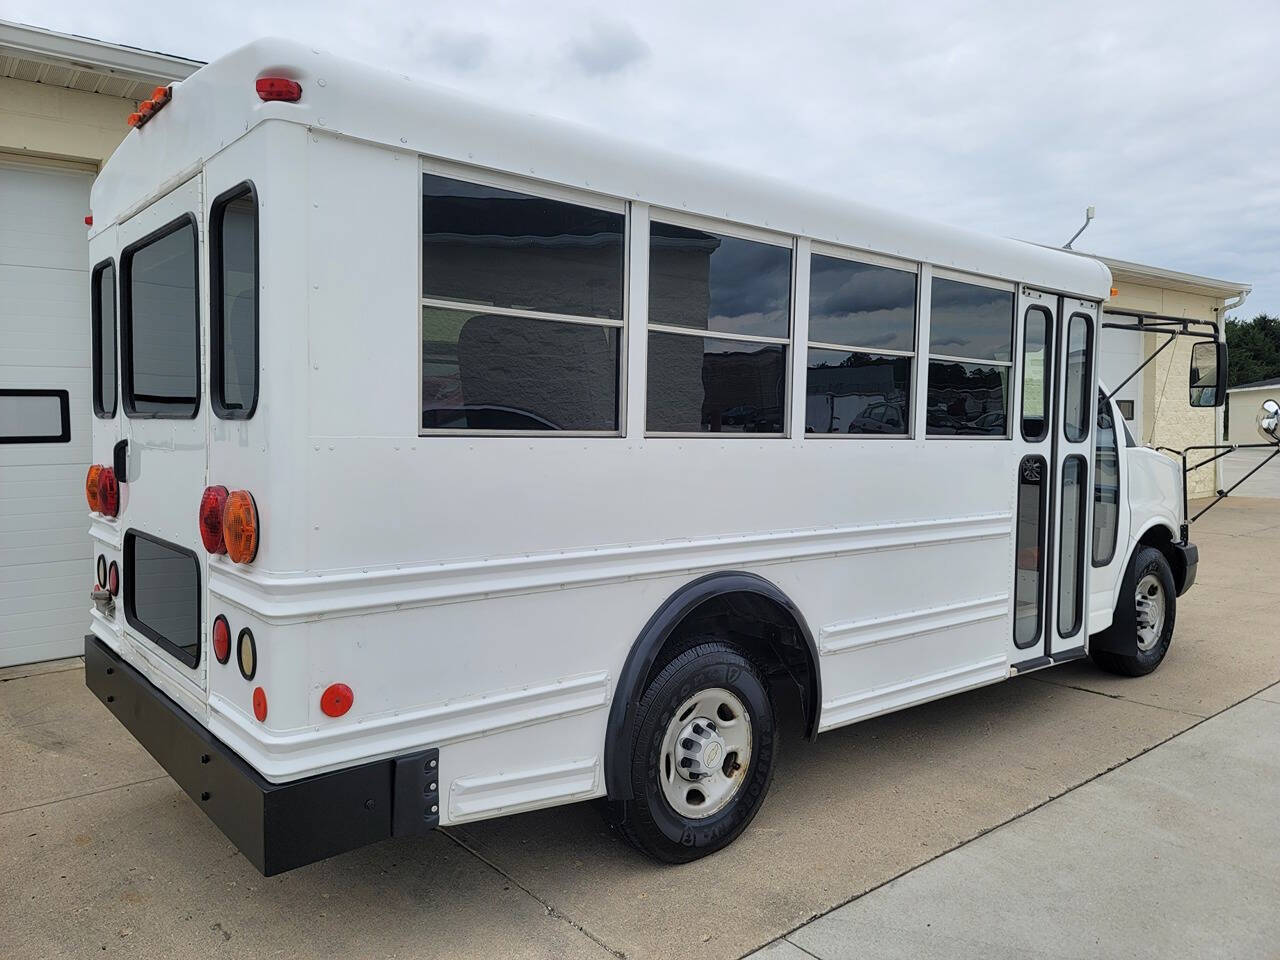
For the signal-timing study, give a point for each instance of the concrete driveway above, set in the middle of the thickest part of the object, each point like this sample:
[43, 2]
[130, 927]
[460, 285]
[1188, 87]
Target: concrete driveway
[1264, 483]
[101, 853]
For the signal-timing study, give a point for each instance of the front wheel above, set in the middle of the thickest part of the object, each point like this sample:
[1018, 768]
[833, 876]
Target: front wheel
[703, 755]
[1156, 606]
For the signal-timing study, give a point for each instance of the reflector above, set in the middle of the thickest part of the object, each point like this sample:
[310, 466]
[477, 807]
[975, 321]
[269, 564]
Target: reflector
[221, 639]
[108, 493]
[336, 700]
[260, 704]
[113, 579]
[212, 504]
[247, 654]
[240, 526]
[91, 486]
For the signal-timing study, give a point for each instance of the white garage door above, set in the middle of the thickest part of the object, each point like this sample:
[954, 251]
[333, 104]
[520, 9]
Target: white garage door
[44, 412]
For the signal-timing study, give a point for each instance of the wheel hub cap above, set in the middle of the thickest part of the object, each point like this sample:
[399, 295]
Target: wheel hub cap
[706, 752]
[1149, 601]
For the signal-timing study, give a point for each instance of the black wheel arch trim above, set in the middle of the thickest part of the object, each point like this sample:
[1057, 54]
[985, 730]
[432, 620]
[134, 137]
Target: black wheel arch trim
[648, 645]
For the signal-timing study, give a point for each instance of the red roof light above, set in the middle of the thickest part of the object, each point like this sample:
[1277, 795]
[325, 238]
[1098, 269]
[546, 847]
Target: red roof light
[279, 88]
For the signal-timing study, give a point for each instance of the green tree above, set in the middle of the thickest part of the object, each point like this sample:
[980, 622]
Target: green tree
[1253, 349]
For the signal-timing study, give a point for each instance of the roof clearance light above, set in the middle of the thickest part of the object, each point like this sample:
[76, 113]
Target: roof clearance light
[135, 120]
[91, 487]
[336, 700]
[240, 526]
[279, 88]
[213, 502]
[108, 493]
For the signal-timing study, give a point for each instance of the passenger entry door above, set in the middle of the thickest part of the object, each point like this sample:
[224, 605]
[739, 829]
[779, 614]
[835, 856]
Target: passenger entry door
[1054, 440]
[162, 325]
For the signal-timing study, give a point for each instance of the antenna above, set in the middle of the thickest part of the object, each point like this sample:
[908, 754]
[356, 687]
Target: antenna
[1088, 219]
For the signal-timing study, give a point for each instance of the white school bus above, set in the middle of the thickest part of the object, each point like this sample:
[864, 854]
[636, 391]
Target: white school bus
[463, 463]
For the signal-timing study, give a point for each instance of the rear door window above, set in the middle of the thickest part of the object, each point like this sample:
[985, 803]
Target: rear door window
[104, 340]
[233, 275]
[160, 333]
[162, 594]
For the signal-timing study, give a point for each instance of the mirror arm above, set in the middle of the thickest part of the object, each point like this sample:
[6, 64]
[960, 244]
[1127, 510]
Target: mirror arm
[1154, 353]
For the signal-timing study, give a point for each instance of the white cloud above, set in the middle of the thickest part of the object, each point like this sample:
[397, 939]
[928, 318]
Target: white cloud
[1005, 117]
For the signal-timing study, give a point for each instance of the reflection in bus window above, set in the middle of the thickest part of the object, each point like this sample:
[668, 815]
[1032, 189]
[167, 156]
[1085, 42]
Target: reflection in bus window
[1035, 367]
[1030, 549]
[702, 282]
[1071, 546]
[971, 354]
[862, 320]
[521, 312]
[1106, 486]
[1079, 374]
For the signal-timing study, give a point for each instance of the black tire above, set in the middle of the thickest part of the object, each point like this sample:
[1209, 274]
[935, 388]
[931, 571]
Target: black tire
[1147, 560]
[648, 821]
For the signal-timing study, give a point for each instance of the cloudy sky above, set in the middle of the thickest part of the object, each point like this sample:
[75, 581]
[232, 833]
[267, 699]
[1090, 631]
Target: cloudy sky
[1005, 117]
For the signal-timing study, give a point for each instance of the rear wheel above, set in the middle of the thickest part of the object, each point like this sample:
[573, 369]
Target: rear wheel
[1155, 605]
[702, 757]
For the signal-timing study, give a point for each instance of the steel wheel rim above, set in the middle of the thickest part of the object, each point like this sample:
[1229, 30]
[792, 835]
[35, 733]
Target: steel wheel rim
[706, 752]
[1150, 601]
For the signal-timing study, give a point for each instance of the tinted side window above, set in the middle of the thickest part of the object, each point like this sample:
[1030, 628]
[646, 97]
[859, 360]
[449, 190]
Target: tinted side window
[521, 311]
[487, 246]
[1079, 374]
[1029, 564]
[700, 283]
[1037, 327]
[161, 330]
[971, 350]
[862, 337]
[103, 301]
[1106, 486]
[233, 274]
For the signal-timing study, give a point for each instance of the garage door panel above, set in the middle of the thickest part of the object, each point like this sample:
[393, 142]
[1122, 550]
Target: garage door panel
[45, 552]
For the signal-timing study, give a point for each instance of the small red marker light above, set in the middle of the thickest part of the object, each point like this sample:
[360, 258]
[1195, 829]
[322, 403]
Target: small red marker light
[135, 119]
[108, 493]
[146, 107]
[221, 639]
[113, 579]
[279, 88]
[336, 700]
[260, 704]
[212, 503]
[88, 221]
[160, 94]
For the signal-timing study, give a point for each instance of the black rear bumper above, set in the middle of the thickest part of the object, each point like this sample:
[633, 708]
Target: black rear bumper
[277, 826]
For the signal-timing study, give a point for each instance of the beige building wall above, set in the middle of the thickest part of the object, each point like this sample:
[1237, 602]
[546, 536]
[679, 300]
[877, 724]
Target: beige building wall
[1168, 419]
[40, 120]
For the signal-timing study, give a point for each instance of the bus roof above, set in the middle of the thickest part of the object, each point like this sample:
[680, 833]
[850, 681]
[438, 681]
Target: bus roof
[218, 104]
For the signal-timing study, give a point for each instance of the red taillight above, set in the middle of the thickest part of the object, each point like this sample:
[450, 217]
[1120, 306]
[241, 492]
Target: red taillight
[212, 503]
[108, 493]
[221, 639]
[240, 526]
[91, 486]
[279, 88]
[88, 221]
[113, 579]
[260, 704]
[336, 700]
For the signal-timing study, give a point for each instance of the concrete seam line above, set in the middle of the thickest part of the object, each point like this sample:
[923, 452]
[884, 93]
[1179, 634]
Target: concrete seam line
[786, 935]
[807, 953]
[551, 910]
[1124, 699]
[81, 796]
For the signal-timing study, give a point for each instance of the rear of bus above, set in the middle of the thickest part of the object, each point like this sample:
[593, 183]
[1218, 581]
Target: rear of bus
[198, 304]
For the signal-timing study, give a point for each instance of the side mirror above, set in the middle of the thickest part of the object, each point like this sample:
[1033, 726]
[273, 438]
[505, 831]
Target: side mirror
[1208, 373]
[1269, 421]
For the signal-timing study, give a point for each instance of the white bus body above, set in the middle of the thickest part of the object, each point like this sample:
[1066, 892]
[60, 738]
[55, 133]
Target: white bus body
[497, 599]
